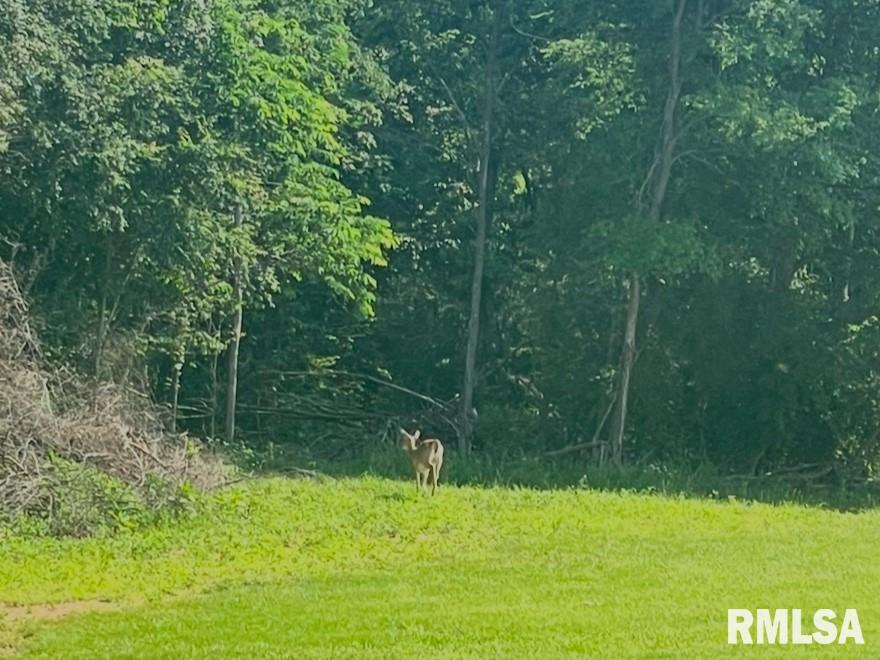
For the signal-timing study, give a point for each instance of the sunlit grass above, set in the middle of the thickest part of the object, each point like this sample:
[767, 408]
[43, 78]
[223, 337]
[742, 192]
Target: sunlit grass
[365, 568]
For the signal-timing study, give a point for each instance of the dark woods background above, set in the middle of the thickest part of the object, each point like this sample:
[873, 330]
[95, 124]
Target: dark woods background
[630, 233]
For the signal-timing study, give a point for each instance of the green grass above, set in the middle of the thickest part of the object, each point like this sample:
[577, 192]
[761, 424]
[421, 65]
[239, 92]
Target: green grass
[674, 478]
[364, 568]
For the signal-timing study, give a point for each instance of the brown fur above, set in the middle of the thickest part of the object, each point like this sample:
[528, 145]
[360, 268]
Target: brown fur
[425, 456]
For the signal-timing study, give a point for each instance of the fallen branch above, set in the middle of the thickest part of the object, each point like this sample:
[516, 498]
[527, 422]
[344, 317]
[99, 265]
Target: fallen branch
[795, 473]
[373, 379]
[573, 448]
[441, 406]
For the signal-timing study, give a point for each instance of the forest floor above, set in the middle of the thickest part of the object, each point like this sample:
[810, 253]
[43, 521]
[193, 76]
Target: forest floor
[367, 568]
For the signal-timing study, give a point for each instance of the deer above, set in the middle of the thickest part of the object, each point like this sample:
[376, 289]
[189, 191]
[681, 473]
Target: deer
[425, 456]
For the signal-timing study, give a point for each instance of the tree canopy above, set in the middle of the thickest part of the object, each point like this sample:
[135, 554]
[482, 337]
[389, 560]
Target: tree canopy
[628, 231]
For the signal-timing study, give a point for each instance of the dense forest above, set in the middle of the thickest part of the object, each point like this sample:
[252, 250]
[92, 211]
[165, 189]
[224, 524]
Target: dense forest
[613, 233]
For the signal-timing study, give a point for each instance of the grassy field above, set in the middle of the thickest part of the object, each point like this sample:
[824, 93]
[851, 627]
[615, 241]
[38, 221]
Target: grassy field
[365, 568]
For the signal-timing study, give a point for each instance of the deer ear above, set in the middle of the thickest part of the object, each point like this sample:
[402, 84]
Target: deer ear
[417, 435]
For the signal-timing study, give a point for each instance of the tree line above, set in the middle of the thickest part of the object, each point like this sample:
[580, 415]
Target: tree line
[624, 231]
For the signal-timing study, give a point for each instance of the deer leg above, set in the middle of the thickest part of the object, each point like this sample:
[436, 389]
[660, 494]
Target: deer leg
[432, 476]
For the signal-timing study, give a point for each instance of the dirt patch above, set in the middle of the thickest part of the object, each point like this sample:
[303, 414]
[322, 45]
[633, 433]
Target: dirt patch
[12, 614]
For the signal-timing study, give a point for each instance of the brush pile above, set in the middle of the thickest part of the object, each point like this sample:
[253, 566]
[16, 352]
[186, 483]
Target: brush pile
[51, 417]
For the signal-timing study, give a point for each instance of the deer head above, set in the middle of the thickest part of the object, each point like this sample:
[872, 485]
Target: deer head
[408, 440]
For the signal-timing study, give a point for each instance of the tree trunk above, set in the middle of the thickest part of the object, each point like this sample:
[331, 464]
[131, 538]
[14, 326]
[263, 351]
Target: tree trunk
[660, 173]
[175, 395]
[103, 322]
[103, 311]
[232, 356]
[627, 361]
[483, 218]
[215, 386]
[99, 335]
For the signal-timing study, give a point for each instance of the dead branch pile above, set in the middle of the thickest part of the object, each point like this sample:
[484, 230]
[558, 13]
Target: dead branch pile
[45, 411]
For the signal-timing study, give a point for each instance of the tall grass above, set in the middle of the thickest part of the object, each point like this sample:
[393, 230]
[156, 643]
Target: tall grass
[681, 478]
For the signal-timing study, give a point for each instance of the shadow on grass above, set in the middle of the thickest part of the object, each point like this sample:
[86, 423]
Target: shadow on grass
[702, 482]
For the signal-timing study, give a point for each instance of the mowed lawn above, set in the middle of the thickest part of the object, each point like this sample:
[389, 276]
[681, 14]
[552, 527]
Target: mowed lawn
[366, 568]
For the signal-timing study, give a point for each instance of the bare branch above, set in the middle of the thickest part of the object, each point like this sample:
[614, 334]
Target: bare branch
[464, 120]
[528, 35]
